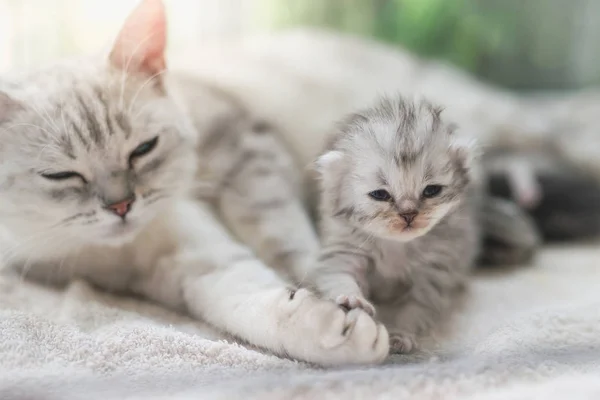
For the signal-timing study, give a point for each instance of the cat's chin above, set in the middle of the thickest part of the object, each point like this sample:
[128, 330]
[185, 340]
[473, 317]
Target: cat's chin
[118, 234]
[406, 236]
[402, 236]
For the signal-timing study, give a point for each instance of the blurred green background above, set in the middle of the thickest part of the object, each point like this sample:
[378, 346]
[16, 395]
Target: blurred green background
[521, 44]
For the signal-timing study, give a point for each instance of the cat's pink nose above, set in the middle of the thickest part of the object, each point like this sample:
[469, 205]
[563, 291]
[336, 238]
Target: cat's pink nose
[409, 216]
[121, 208]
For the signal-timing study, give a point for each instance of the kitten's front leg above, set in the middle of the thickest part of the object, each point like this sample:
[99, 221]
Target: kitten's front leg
[223, 283]
[337, 277]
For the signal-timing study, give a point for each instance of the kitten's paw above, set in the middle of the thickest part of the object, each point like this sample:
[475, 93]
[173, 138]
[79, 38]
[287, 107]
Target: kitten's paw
[326, 334]
[401, 343]
[352, 302]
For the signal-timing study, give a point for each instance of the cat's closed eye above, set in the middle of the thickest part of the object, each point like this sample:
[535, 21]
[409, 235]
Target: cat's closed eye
[143, 149]
[63, 176]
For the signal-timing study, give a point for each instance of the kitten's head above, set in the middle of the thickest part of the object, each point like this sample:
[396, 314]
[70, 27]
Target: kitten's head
[395, 170]
[91, 151]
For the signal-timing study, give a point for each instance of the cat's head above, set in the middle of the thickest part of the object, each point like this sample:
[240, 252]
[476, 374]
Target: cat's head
[92, 150]
[395, 170]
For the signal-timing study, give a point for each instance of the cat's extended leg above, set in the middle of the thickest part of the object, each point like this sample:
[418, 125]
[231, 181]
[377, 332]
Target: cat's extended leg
[222, 282]
[260, 201]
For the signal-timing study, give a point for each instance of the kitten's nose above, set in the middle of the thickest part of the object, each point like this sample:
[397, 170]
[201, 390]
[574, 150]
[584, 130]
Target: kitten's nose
[121, 207]
[409, 216]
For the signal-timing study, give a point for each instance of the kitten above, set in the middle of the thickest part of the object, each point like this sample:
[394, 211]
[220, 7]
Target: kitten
[99, 158]
[399, 216]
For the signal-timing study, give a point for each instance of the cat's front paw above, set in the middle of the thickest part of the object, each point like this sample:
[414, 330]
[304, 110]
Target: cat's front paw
[351, 302]
[402, 343]
[330, 335]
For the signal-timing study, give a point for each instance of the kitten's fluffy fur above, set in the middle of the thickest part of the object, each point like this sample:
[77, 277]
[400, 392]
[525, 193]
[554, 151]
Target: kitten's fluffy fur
[77, 140]
[409, 268]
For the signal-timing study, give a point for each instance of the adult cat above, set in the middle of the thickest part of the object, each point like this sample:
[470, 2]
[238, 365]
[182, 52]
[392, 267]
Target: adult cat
[98, 157]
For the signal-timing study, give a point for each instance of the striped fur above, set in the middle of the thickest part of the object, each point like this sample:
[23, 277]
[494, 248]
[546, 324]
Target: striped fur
[371, 258]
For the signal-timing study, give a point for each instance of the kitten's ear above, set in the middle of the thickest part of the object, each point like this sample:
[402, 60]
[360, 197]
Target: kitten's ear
[465, 151]
[7, 106]
[328, 160]
[140, 45]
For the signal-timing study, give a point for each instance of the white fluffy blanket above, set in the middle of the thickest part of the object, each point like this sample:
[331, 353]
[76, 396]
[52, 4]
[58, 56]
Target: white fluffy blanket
[524, 334]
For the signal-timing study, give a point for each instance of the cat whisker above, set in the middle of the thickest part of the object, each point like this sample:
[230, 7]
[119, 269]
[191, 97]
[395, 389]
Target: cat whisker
[64, 122]
[127, 63]
[156, 198]
[151, 192]
[28, 264]
[50, 120]
[75, 256]
[31, 125]
[12, 251]
[8, 256]
[46, 118]
[137, 93]
[75, 217]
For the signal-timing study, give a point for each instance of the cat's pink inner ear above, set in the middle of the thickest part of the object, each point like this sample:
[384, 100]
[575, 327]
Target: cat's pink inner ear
[140, 45]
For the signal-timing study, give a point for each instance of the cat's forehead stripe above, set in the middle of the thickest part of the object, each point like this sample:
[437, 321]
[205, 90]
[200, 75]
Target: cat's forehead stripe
[106, 109]
[406, 158]
[95, 129]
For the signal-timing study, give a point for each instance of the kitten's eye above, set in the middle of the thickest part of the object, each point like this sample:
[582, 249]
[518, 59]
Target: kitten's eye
[432, 191]
[380, 195]
[143, 149]
[63, 176]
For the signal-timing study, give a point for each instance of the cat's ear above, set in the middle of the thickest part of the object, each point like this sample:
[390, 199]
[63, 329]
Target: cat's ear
[465, 152]
[329, 160]
[140, 45]
[8, 106]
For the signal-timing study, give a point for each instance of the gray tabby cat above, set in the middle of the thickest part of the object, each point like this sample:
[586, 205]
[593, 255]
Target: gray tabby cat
[98, 160]
[399, 216]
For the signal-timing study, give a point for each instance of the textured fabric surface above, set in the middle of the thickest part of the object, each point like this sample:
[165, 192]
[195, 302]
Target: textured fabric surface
[523, 334]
